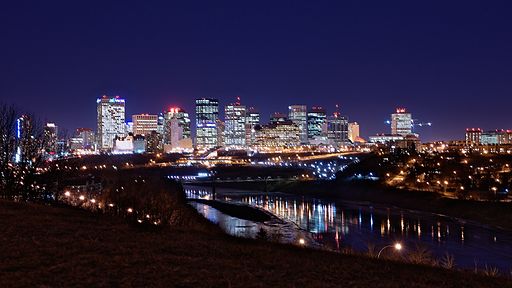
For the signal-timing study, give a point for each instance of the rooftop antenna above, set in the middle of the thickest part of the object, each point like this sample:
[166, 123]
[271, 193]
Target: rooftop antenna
[337, 113]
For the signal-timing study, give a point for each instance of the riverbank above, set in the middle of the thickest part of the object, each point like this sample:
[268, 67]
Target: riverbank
[64, 247]
[239, 211]
[495, 214]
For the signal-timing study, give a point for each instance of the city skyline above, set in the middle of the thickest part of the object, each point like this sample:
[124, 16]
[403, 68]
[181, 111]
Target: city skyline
[369, 59]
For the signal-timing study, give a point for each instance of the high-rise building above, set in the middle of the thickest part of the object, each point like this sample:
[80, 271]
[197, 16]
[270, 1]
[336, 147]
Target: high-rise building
[23, 138]
[298, 115]
[87, 136]
[401, 122]
[175, 132]
[252, 119]
[50, 138]
[207, 114]
[316, 122]
[144, 124]
[161, 124]
[337, 129]
[234, 129]
[353, 131]
[473, 136]
[183, 122]
[111, 120]
[278, 117]
[83, 139]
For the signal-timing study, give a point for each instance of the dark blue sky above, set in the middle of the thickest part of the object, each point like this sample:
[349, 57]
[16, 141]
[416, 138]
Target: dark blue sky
[448, 62]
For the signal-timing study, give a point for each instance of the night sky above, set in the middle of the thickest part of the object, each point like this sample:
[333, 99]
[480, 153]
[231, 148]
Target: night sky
[448, 62]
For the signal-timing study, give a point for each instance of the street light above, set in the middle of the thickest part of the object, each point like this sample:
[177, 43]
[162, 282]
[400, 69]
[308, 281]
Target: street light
[397, 247]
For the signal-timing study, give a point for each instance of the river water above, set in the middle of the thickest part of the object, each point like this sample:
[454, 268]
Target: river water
[359, 225]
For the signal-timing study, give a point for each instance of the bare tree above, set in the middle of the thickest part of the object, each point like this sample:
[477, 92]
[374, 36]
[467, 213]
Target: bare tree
[21, 147]
[7, 148]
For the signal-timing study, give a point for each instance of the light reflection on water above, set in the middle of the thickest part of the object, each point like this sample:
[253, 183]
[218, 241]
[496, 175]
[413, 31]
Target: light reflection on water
[232, 225]
[338, 226]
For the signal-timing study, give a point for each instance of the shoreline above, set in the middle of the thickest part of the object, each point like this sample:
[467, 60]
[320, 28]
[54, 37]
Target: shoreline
[489, 215]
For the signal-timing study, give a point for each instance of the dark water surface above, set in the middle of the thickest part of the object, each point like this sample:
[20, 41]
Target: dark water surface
[357, 225]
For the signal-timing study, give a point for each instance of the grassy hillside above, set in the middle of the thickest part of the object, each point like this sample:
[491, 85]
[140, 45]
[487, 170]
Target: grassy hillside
[46, 246]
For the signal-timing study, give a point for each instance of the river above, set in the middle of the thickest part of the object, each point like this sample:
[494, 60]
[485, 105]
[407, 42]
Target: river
[358, 225]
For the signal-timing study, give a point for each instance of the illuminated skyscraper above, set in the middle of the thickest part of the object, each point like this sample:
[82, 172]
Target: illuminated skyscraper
[401, 122]
[252, 119]
[50, 138]
[160, 124]
[234, 130]
[298, 115]
[183, 122]
[23, 138]
[111, 120]
[316, 122]
[207, 114]
[337, 129]
[144, 124]
[86, 136]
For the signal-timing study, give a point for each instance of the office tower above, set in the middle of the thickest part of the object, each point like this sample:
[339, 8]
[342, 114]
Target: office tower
[278, 117]
[87, 136]
[207, 114]
[174, 132]
[337, 129]
[298, 115]
[401, 122]
[50, 138]
[353, 131]
[144, 124]
[473, 136]
[161, 124]
[83, 139]
[234, 124]
[24, 140]
[220, 133]
[316, 122]
[251, 120]
[111, 121]
[183, 121]
[273, 137]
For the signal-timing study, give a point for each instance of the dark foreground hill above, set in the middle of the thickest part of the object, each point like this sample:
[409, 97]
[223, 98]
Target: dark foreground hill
[44, 246]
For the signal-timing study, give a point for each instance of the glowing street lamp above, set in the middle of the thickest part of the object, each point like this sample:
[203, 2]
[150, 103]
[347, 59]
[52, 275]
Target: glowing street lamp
[398, 247]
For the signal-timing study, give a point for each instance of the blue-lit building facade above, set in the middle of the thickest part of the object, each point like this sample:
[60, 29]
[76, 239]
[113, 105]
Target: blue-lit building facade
[317, 123]
[207, 114]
